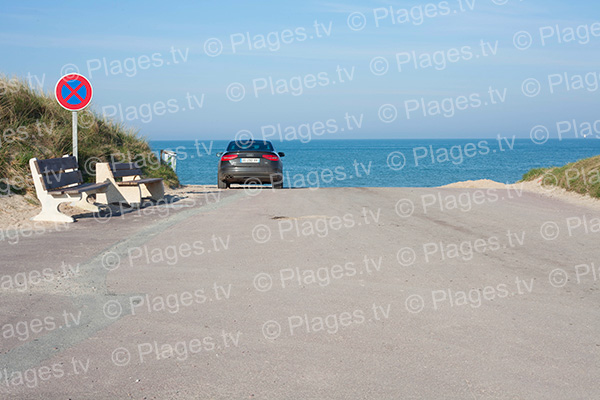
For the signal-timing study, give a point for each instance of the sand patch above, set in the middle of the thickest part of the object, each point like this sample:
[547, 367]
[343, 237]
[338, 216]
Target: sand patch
[16, 210]
[534, 186]
[478, 184]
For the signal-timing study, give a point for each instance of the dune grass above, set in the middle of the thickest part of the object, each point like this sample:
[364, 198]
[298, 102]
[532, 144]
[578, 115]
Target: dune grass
[33, 124]
[582, 176]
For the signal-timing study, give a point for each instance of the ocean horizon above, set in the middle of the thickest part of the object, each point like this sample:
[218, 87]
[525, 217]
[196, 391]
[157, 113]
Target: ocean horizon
[389, 162]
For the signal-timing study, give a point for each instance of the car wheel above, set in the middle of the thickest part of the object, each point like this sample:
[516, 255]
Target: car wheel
[222, 185]
[278, 185]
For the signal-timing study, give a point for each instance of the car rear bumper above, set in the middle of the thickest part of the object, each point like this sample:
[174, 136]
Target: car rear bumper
[255, 174]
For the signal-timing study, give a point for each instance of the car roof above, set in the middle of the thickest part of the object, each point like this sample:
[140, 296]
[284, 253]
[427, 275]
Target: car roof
[252, 141]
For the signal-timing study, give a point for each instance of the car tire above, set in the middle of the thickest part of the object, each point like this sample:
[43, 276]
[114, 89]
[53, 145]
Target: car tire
[278, 185]
[222, 185]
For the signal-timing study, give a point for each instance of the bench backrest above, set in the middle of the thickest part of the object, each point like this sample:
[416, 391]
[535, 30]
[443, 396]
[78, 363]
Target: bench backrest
[120, 170]
[58, 172]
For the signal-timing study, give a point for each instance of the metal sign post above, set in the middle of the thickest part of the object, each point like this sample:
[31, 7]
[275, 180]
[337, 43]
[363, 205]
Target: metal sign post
[75, 135]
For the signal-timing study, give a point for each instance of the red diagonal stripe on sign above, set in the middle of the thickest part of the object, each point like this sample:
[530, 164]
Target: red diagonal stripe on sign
[74, 91]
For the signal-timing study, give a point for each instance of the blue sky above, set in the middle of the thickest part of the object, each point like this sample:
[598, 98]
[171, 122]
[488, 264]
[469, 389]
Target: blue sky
[164, 67]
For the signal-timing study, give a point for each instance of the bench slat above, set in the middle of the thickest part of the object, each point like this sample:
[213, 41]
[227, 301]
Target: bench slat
[86, 187]
[120, 166]
[60, 179]
[56, 164]
[127, 172]
[139, 182]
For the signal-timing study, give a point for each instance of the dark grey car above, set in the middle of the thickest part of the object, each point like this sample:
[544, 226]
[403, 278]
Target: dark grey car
[251, 162]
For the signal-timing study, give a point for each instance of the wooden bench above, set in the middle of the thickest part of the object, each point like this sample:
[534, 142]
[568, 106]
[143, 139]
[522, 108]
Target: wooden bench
[127, 184]
[57, 180]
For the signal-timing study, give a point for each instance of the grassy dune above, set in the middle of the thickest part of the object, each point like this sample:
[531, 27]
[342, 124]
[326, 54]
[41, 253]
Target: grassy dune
[33, 124]
[582, 176]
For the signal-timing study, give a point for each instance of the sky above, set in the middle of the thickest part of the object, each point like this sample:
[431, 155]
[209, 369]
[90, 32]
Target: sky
[371, 69]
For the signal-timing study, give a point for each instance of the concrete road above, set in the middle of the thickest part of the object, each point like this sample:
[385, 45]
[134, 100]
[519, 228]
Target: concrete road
[393, 293]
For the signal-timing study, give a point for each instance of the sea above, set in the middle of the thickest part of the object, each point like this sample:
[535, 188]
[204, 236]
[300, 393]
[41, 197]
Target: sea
[390, 162]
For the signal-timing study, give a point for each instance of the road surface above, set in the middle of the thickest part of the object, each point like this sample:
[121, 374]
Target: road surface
[308, 294]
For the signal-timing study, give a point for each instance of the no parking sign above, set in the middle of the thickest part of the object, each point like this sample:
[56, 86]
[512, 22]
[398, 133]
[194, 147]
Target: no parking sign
[73, 92]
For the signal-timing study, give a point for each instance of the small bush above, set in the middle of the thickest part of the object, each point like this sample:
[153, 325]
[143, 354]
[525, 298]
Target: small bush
[582, 176]
[534, 173]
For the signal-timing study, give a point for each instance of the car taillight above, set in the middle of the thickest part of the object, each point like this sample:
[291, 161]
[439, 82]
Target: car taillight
[228, 157]
[271, 157]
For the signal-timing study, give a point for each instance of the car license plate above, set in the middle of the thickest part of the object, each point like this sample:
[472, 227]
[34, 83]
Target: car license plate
[250, 160]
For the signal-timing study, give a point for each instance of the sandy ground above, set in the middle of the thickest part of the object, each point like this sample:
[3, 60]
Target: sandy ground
[15, 211]
[532, 187]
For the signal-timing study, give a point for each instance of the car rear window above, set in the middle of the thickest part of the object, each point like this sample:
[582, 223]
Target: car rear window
[258, 146]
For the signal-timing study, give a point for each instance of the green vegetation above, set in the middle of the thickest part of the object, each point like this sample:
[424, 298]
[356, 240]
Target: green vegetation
[33, 124]
[582, 176]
